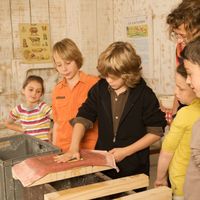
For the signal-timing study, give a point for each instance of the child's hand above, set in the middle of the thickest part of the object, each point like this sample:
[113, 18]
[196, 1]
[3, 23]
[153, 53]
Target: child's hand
[3, 124]
[168, 117]
[118, 153]
[162, 182]
[70, 155]
[168, 113]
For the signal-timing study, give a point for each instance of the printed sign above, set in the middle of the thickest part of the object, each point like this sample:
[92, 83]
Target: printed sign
[35, 43]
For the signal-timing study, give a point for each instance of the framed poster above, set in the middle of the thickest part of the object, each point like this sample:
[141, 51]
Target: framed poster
[35, 43]
[140, 34]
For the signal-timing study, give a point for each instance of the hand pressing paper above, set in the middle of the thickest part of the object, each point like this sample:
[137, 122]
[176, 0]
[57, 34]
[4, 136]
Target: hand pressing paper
[33, 169]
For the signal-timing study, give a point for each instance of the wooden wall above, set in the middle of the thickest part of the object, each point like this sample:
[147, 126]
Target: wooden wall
[93, 25]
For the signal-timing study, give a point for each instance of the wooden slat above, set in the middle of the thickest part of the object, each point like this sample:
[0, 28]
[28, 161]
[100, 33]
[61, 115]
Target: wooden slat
[6, 50]
[105, 25]
[58, 20]
[20, 13]
[73, 21]
[39, 14]
[160, 193]
[101, 189]
[88, 24]
[79, 171]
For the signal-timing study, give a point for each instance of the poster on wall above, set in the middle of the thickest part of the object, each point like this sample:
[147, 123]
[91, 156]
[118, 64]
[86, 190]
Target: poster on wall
[35, 43]
[139, 34]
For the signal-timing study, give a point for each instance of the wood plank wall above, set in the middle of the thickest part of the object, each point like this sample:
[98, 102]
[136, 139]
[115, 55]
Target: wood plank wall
[93, 25]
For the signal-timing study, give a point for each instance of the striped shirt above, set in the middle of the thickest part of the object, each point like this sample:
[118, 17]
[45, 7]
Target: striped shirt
[35, 121]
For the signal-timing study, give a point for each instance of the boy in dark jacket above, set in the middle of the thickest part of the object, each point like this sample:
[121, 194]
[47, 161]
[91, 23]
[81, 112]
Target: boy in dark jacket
[127, 110]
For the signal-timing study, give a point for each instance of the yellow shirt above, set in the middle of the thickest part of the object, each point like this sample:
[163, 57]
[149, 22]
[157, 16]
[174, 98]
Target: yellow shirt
[177, 141]
[65, 104]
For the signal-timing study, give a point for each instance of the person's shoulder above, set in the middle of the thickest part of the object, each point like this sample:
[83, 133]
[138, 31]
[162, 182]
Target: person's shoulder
[89, 78]
[57, 87]
[17, 107]
[43, 103]
[143, 86]
[194, 107]
[59, 83]
[100, 85]
[189, 110]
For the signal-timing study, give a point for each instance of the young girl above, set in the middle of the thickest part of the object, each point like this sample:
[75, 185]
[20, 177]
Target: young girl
[33, 114]
[191, 56]
[175, 152]
[127, 110]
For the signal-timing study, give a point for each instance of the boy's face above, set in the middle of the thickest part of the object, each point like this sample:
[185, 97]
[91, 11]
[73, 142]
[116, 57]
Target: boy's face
[66, 68]
[116, 83]
[184, 92]
[193, 77]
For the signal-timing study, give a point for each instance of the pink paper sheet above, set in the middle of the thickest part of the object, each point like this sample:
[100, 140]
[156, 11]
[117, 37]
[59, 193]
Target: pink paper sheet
[32, 169]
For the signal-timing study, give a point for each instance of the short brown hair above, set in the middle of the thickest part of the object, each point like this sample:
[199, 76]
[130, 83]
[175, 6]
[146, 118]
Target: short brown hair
[187, 13]
[120, 59]
[35, 78]
[192, 51]
[68, 50]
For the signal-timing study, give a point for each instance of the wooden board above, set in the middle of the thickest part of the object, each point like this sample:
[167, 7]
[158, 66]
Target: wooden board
[101, 189]
[79, 171]
[160, 193]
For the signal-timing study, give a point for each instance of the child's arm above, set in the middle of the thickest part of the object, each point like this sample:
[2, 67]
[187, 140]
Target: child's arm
[144, 142]
[10, 124]
[77, 135]
[163, 164]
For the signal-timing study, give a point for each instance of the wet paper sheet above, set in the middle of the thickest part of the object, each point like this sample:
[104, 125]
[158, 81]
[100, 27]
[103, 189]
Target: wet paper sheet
[33, 169]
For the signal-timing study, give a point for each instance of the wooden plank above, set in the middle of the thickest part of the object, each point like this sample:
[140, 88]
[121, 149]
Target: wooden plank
[101, 189]
[79, 171]
[73, 22]
[58, 20]
[88, 24]
[6, 48]
[105, 25]
[20, 13]
[39, 11]
[160, 193]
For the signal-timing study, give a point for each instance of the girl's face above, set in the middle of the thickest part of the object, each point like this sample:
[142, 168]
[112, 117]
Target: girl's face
[184, 92]
[116, 83]
[66, 68]
[193, 76]
[32, 92]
